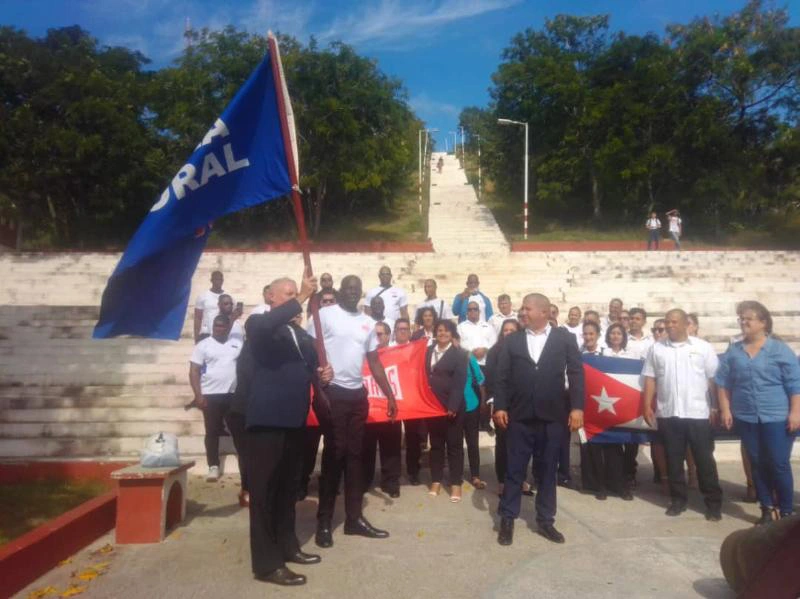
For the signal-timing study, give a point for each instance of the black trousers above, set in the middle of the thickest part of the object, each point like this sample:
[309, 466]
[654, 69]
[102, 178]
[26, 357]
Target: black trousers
[348, 418]
[678, 434]
[235, 422]
[472, 422]
[273, 462]
[447, 434]
[525, 440]
[311, 440]
[631, 451]
[602, 467]
[500, 455]
[217, 406]
[388, 437]
[416, 435]
[563, 456]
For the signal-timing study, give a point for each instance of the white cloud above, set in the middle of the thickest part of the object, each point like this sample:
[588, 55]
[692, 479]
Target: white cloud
[394, 20]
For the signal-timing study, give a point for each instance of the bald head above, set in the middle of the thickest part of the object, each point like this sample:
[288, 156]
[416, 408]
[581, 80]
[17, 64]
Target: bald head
[677, 323]
[281, 291]
[537, 311]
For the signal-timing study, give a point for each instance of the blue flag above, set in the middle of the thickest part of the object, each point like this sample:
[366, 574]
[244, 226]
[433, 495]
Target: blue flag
[240, 162]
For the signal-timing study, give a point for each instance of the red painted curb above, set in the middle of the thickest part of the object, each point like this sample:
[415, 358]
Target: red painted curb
[26, 558]
[612, 246]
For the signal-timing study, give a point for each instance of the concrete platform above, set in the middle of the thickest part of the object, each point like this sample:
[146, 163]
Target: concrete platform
[437, 549]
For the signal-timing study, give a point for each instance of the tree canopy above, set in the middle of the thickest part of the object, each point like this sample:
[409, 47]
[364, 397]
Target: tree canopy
[91, 135]
[703, 118]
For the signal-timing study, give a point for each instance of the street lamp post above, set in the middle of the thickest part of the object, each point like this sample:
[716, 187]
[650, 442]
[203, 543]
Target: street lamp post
[463, 155]
[421, 152]
[480, 186]
[525, 198]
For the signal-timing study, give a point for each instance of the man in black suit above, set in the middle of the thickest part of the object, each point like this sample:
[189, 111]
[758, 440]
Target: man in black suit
[530, 403]
[284, 364]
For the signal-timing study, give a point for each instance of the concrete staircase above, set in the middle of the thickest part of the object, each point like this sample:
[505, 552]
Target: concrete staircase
[63, 394]
[457, 223]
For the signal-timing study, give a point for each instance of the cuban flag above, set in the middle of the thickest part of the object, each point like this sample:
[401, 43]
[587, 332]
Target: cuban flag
[613, 402]
[240, 162]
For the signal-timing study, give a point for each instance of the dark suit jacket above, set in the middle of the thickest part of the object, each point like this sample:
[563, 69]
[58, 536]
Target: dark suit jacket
[279, 389]
[448, 378]
[527, 390]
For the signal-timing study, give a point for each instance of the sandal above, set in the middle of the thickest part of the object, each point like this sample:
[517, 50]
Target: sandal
[435, 488]
[478, 483]
[455, 494]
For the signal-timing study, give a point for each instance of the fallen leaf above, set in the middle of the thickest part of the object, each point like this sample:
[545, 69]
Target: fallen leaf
[74, 590]
[88, 575]
[101, 565]
[45, 592]
[420, 534]
[107, 548]
[65, 561]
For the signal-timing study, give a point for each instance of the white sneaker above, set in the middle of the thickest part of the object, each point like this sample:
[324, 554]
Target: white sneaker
[213, 474]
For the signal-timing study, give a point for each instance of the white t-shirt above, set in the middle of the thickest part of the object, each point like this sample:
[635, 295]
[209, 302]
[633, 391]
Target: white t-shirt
[218, 361]
[681, 371]
[208, 302]
[638, 348]
[348, 337]
[577, 331]
[443, 309]
[497, 319]
[393, 298]
[475, 335]
[653, 224]
[237, 331]
[675, 224]
[261, 309]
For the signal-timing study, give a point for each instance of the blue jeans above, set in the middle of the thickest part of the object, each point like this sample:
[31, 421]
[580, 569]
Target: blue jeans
[653, 237]
[769, 446]
[677, 239]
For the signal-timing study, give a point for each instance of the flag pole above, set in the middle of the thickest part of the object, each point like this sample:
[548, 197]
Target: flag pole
[290, 145]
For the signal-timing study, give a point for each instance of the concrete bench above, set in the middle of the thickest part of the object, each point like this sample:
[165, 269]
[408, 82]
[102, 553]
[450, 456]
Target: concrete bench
[150, 501]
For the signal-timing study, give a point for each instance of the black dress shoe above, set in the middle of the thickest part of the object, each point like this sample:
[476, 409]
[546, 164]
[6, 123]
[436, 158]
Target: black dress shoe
[713, 515]
[549, 532]
[284, 577]
[394, 494]
[506, 534]
[565, 482]
[324, 537]
[303, 558]
[363, 528]
[413, 480]
[767, 515]
[601, 496]
[627, 495]
[676, 508]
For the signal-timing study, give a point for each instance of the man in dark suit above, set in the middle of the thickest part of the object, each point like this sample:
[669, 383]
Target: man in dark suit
[284, 365]
[530, 403]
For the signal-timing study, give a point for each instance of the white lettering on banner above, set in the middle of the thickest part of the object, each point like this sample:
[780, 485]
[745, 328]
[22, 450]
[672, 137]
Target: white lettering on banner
[212, 167]
[373, 390]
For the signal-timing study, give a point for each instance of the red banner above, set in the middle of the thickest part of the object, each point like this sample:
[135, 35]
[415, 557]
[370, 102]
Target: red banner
[405, 370]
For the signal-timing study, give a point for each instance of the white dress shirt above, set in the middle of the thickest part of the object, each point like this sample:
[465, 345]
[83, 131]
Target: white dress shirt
[577, 330]
[437, 354]
[475, 335]
[536, 342]
[638, 348]
[681, 371]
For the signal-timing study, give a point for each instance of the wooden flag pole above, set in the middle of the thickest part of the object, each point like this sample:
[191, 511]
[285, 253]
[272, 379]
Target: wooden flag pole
[297, 205]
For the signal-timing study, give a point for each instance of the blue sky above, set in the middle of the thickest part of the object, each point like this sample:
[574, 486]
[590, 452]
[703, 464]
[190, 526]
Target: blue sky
[443, 50]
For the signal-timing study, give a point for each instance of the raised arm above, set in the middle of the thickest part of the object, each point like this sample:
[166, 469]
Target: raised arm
[379, 374]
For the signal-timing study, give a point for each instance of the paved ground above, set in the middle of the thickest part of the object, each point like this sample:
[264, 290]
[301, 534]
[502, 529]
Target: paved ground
[437, 549]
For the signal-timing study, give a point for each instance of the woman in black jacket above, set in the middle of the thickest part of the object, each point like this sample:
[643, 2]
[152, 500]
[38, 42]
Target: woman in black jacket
[500, 451]
[446, 367]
